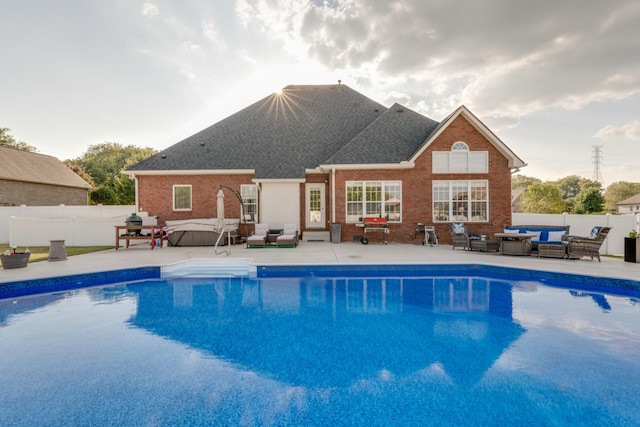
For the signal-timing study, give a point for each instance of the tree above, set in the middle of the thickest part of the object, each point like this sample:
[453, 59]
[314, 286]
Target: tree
[619, 191]
[81, 172]
[7, 140]
[105, 163]
[589, 200]
[543, 198]
[523, 181]
[103, 195]
[571, 185]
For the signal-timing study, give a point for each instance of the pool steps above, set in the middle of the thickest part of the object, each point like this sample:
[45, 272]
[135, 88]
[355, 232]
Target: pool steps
[207, 267]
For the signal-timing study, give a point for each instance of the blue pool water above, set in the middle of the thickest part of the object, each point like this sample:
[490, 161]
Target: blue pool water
[334, 349]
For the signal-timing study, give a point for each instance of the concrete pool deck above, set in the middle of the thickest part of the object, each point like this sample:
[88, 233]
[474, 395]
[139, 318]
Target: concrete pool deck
[319, 253]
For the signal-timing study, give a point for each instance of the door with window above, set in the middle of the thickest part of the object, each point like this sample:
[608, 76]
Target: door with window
[315, 209]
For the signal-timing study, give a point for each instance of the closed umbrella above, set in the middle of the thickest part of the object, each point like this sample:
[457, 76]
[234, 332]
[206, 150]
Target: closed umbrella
[220, 209]
[220, 225]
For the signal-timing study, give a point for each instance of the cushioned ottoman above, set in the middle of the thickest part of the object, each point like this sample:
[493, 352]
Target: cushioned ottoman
[484, 245]
[552, 250]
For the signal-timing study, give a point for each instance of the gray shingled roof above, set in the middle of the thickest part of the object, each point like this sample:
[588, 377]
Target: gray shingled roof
[395, 136]
[303, 127]
[633, 200]
[24, 166]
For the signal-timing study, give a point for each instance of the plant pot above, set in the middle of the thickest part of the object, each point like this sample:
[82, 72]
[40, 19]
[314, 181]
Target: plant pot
[17, 260]
[632, 249]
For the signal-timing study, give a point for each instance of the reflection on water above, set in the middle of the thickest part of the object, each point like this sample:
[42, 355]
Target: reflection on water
[332, 332]
[321, 351]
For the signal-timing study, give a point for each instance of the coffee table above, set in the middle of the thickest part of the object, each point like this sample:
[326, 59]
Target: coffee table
[515, 243]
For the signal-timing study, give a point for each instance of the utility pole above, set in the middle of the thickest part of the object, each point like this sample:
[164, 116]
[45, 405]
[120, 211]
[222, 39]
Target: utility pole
[596, 159]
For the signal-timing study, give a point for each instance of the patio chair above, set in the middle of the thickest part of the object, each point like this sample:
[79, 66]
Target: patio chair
[460, 237]
[289, 236]
[577, 246]
[259, 237]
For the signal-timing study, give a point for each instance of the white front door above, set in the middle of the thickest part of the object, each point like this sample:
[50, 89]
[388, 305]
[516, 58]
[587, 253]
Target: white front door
[315, 211]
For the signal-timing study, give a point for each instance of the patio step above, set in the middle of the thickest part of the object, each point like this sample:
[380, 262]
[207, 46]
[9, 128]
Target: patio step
[316, 236]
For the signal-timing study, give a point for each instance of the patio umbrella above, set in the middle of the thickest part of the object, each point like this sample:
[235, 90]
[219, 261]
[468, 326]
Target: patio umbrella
[220, 210]
[220, 226]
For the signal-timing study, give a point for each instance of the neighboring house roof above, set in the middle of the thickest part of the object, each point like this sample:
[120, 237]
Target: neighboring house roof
[633, 200]
[516, 198]
[303, 128]
[24, 166]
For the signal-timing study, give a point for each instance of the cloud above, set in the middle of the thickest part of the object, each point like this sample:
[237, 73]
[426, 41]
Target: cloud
[150, 9]
[460, 52]
[630, 131]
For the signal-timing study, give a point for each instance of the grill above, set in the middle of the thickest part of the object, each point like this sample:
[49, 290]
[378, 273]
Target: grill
[375, 225]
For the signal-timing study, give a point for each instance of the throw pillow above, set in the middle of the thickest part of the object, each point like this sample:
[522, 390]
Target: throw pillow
[595, 232]
[555, 236]
[458, 228]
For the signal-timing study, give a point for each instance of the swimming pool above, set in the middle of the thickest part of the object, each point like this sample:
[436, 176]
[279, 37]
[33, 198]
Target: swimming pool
[373, 346]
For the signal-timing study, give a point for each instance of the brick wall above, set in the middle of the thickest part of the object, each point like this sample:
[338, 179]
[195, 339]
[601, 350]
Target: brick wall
[417, 188]
[16, 193]
[156, 192]
[155, 195]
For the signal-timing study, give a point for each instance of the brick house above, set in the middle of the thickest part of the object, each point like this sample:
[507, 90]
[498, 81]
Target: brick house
[317, 155]
[38, 180]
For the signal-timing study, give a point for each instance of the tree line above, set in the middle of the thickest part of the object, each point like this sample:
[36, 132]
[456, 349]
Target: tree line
[572, 194]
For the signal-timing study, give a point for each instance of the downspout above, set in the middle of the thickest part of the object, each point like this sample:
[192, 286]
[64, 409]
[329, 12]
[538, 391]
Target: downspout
[135, 180]
[333, 195]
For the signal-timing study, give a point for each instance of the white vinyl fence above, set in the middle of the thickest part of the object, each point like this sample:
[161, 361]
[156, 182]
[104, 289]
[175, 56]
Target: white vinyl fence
[77, 225]
[94, 225]
[581, 225]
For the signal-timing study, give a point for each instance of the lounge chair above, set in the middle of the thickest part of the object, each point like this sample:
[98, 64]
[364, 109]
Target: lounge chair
[577, 246]
[259, 237]
[289, 236]
[460, 237]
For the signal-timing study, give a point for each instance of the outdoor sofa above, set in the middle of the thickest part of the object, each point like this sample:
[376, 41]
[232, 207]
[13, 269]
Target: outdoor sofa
[545, 234]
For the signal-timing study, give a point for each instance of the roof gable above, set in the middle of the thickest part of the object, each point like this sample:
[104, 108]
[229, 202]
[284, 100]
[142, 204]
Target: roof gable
[514, 161]
[24, 166]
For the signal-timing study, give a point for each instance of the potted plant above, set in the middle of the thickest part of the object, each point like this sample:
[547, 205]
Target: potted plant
[15, 259]
[632, 247]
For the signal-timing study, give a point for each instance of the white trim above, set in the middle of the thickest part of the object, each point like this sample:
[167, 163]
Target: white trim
[132, 174]
[278, 181]
[362, 166]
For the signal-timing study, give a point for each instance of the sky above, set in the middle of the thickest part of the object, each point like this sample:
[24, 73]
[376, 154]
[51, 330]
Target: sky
[554, 80]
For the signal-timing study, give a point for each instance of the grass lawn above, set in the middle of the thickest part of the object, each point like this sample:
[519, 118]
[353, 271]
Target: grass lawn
[40, 253]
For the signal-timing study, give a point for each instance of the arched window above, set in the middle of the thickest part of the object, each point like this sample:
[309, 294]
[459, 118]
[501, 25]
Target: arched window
[460, 160]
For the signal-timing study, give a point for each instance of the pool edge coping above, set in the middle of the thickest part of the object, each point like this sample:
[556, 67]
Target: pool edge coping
[37, 286]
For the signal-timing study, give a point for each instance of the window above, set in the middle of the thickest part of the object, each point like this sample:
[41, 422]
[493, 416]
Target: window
[460, 201]
[374, 199]
[460, 160]
[181, 197]
[249, 195]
